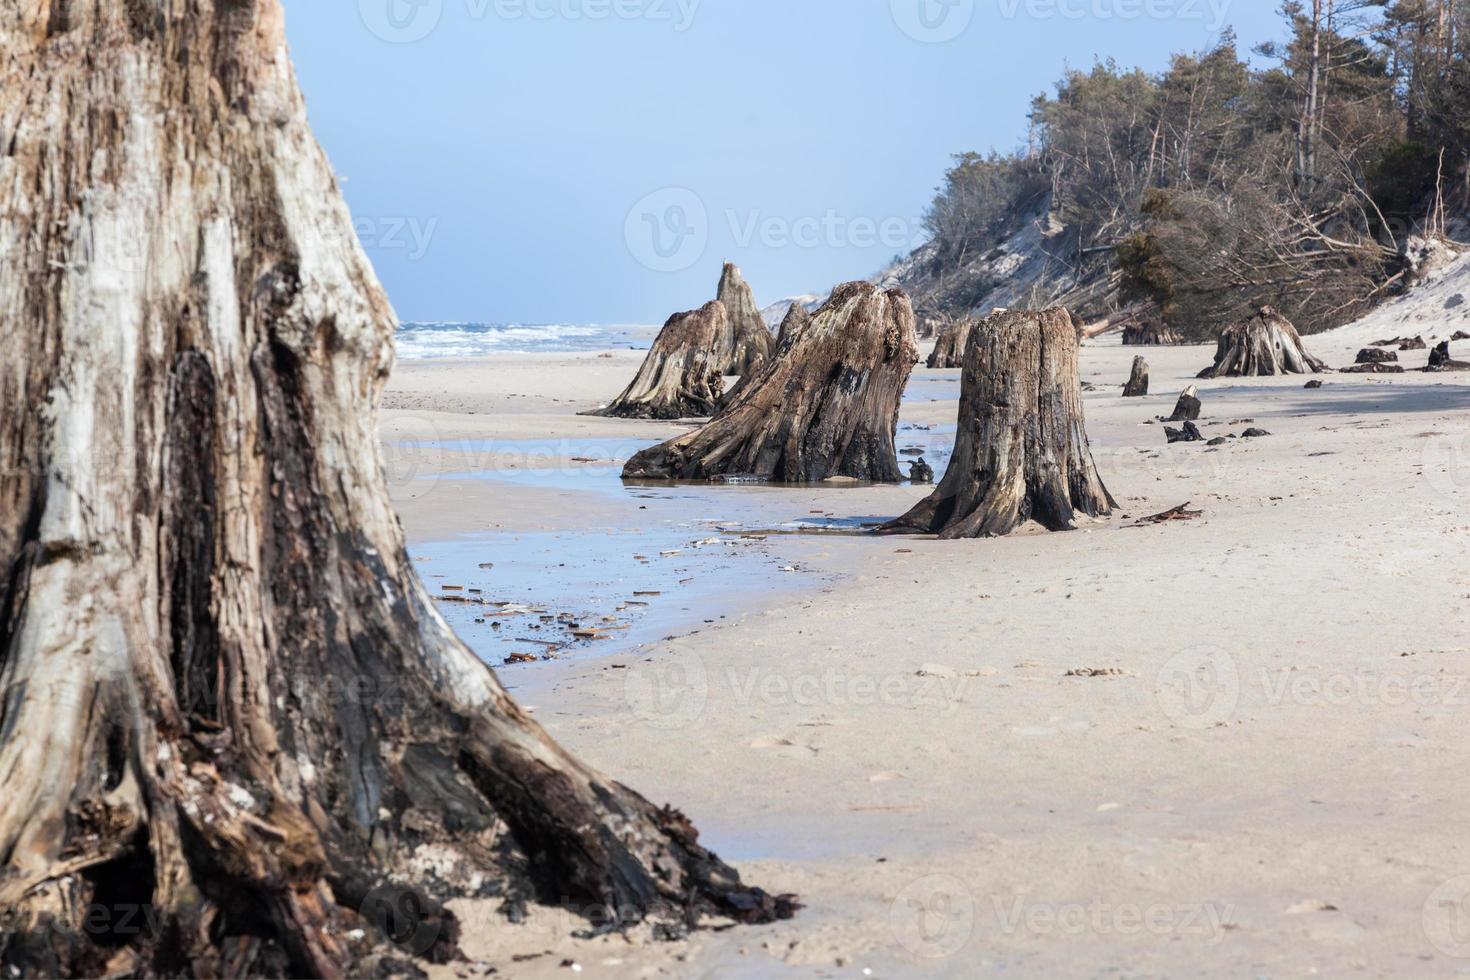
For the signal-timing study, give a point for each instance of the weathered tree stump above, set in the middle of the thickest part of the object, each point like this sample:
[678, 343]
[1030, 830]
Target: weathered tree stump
[1266, 344]
[931, 323]
[827, 407]
[1150, 333]
[1137, 386]
[792, 325]
[1440, 360]
[747, 343]
[1021, 452]
[678, 379]
[1188, 408]
[954, 337]
[231, 720]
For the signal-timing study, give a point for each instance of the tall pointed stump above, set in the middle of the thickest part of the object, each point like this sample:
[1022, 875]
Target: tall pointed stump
[230, 718]
[1021, 452]
[827, 407]
[747, 343]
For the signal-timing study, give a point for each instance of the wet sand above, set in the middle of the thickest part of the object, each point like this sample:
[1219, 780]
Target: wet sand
[1226, 747]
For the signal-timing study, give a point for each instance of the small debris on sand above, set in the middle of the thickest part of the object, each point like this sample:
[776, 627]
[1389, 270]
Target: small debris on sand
[1180, 513]
[1097, 672]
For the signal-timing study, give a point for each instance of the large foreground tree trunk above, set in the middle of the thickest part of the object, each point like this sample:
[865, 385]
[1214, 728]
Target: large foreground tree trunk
[678, 379]
[228, 709]
[826, 407]
[1021, 452]
[1266, 344]
[747, 344]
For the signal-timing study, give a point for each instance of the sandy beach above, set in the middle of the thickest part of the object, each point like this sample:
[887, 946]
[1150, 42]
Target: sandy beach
[1222, 747]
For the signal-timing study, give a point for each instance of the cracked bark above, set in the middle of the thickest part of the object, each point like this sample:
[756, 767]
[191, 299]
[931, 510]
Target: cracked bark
[1021, 452]
[225, 697]
[826, 407]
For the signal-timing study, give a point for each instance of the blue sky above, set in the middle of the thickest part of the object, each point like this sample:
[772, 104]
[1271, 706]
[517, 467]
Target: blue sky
[594, 161]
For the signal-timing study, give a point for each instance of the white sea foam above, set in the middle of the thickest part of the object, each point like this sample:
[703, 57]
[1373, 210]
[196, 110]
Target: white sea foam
[421, 341]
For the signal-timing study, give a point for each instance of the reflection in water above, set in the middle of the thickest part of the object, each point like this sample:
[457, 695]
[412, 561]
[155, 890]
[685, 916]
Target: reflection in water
[665, 560]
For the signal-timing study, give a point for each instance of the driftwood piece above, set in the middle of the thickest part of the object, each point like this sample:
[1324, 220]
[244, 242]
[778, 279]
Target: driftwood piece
[827, 407]
[678, 379]
[1137, 386]
[1180, 513]
[1374, 367]
[1021, 452]
[747, 343]
[1266, 344]
[954, 338]
[1376, 355]
[1412, 343]
[1188, 408]
[1150, 333]
[236, 737]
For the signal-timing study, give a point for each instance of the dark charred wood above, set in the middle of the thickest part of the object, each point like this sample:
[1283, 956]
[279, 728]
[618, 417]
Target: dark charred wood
[1266, 344]
[1188, 408]
[921, 473]
[826, 407]
[1376, 355]
[1137, 386]
[1180, 513]
[1190, 433]
[1254, 434]
[1313, 385]
[1440, 360]
[1021, 452]
[1374, 367]
[1413, 343]
[679, 379]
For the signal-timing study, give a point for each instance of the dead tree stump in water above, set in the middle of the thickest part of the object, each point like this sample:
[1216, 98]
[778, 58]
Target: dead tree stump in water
[1021, 452]
[1137, 386]
[1266, 344]
[678, 379]
[954, 337]
[827, 407]
[226, 699]
[1188, 408]
[747, 343]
